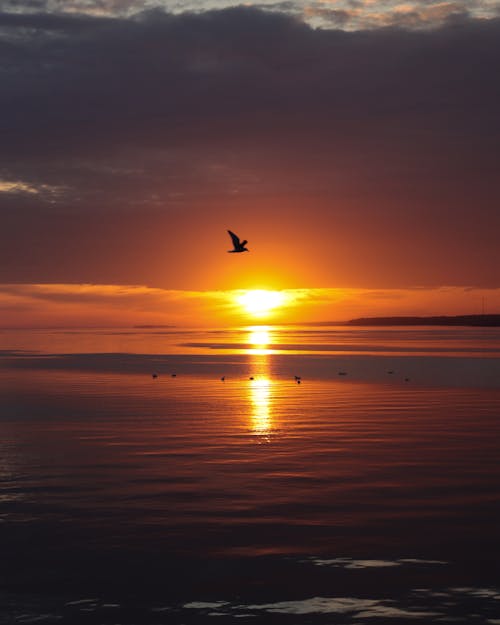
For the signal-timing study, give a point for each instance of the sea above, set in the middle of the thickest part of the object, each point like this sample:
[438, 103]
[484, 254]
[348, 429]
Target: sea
[285, 475]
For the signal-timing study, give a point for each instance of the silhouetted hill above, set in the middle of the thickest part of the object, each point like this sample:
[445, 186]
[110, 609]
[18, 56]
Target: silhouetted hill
[460, 320]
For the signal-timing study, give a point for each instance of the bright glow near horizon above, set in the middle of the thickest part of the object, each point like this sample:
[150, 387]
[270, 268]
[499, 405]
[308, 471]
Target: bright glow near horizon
[259, 336]
[117, 305]
[261, 302]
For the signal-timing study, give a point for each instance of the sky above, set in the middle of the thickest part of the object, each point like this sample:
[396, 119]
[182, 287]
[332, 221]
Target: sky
[354, 143]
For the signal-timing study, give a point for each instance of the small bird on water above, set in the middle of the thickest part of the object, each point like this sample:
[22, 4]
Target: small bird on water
[239, 246]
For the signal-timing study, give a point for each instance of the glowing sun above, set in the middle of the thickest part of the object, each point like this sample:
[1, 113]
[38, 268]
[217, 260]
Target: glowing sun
[261, 302]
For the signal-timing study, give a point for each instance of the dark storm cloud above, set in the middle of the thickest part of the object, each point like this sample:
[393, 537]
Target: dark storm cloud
[162, 80]
[160, 111]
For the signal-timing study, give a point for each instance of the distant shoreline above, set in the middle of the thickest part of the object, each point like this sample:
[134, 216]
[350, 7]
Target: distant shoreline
[442, 320]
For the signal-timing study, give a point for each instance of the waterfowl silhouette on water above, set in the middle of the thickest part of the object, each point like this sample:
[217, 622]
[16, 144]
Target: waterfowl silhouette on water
[239, 246]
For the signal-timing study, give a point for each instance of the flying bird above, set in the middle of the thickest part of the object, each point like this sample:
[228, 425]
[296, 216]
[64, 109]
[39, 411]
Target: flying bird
[239, 246]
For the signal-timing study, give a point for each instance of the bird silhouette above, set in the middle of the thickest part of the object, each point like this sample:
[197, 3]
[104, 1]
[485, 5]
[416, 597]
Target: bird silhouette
[239, 246]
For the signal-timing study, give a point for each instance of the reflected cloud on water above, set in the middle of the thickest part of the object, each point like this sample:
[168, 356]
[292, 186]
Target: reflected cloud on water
[446, 604]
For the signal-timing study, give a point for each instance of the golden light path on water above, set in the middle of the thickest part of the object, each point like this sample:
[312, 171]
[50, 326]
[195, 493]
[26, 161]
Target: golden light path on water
[260, 397]
[259, 338]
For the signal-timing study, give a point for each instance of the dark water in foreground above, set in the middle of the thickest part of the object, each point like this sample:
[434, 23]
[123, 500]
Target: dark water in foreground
[368, 493]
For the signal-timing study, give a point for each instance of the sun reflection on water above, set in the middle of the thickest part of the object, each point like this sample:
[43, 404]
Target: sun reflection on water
[259, 338]
[260, 397]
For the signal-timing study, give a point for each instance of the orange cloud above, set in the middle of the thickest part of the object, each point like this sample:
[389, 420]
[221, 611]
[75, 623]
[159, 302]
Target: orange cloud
[72, 305]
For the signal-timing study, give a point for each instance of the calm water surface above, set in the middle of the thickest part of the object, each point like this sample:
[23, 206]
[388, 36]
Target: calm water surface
[368, 492]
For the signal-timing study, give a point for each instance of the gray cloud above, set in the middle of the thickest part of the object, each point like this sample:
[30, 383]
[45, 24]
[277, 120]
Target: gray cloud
[346, 14]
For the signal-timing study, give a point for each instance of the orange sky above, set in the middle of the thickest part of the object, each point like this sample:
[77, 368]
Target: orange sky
[69, 305]
[358, 155]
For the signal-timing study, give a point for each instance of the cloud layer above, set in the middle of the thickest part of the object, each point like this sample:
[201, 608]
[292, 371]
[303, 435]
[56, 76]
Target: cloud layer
[131, 142]
[72, 305]
[346, 14]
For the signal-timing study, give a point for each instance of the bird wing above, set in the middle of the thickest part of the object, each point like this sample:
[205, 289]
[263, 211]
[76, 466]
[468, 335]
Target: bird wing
[235, 239]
